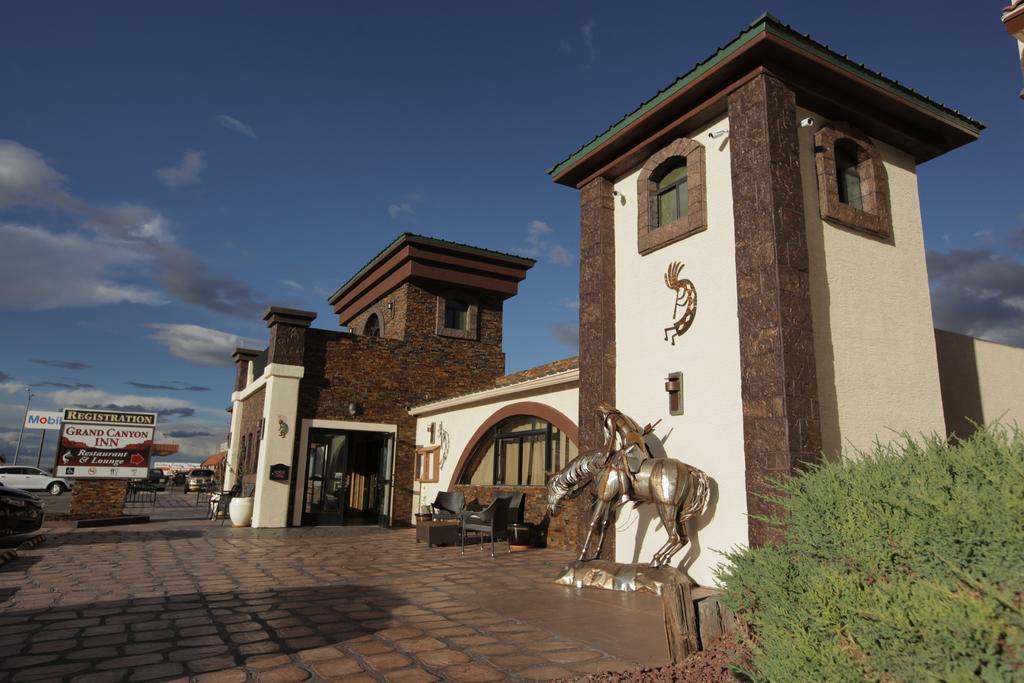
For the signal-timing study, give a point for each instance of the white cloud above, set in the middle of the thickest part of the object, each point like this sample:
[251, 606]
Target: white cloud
[587, 30]
[186, 172]
[406, 207]
[571, 303]
[27, 180]
[538, 246]
[96, 398]
[292, 284]
[45, 270]
[231, 123]
[200, 345]
[130, 222]
[566, 333]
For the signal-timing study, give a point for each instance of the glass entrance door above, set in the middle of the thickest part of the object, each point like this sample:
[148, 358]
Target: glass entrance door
[326, 478]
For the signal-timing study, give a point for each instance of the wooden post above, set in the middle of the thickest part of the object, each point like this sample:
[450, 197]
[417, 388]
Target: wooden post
[680, 620]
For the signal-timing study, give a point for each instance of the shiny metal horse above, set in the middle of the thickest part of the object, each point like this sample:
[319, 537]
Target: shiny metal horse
[678, 490]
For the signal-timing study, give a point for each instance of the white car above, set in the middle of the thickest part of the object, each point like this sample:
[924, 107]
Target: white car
[32, 479]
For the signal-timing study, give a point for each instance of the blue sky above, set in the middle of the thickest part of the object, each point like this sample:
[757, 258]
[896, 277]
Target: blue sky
[167, 169]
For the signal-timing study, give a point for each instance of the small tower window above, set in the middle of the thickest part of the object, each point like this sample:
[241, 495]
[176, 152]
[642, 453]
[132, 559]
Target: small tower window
[456, 314]
[372, 328]
[673, 194]
[848, 174]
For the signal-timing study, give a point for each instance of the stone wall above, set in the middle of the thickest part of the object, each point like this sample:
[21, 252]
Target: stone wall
[560, 531]
[249, 433]
[97, 498]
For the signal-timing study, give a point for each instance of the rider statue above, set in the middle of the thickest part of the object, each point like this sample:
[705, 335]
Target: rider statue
[626, 449]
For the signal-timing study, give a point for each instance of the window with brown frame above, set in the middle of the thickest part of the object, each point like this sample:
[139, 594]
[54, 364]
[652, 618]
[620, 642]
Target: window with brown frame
[671, 195]
[853, 187]
[428, 464]
[457, 316]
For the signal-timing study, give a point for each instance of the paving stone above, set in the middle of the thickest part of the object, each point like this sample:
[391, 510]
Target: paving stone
[336, 667]
[544, 673]
[131, 661]
[154, 671]
[49, 673]
[409, 676]
[211, 664]
[94, 653]
[371, 647]
[225, 676]
[284, 674]
[386, 662]
[261, 662]
[195, 653]
[496, 649]
[568, 656]
[400, 633]
[260, 648]
[420, 644]
[472, 673]
[49, 646]
[319, 653]
[442, 658]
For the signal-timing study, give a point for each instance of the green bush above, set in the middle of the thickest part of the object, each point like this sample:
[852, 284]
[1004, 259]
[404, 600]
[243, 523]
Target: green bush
[905, 565]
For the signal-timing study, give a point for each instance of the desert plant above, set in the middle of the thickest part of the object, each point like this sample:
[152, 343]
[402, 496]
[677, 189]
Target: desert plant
[906, 564]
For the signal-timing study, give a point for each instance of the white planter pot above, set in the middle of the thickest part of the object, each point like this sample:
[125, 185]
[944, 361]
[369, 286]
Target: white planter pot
[240, 511]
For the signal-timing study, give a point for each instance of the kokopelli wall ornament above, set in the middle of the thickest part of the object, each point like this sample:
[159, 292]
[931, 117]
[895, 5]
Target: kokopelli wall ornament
[686, 299]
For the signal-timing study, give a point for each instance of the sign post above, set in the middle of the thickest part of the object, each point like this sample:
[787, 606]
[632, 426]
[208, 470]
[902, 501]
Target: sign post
[102, 444]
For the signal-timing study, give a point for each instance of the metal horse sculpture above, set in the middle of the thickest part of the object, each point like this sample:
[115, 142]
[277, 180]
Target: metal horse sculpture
[678, 490]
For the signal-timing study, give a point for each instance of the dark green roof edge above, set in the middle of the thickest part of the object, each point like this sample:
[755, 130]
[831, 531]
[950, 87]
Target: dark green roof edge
[423, 239]
[768, 23]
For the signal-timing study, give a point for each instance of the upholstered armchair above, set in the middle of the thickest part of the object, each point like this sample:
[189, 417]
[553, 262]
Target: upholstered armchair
[491, 521]
[447, 505]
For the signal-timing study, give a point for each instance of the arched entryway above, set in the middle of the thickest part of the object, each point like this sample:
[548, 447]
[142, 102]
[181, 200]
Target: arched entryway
[515, 450]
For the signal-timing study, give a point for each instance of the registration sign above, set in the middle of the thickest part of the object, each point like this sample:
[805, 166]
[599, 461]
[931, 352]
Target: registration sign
[105, 444]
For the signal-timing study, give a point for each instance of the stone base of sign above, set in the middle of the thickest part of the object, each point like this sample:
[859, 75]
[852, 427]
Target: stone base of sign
[93, 498]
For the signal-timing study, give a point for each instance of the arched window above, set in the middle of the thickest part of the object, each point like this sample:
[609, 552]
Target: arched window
[519, 451]
[848, 173]
[372, 328]
[456, 314]
[673, 195]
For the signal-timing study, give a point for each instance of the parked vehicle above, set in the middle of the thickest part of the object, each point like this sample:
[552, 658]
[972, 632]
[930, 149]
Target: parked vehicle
[32, 479]
[20, 511]
[179, 479]
[199, 479]
[157, 480]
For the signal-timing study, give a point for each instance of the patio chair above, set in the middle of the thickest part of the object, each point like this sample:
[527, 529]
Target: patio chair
[219, 508]
[447, 505]
[515, 506]
[491, 521]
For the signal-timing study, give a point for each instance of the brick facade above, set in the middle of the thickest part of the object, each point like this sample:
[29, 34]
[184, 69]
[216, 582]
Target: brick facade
[97, 498]
[384, 376]
[249, 432]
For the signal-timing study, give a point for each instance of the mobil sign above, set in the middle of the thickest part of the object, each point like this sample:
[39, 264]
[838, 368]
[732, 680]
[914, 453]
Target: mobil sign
[41, 419]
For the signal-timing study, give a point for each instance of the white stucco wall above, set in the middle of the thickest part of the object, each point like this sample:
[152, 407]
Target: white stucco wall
[981, 382]
[460, 423]
[873, 333]
[710, 433]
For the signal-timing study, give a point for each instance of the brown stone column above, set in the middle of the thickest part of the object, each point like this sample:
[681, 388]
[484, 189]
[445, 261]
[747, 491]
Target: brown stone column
[97, 498]
[597, 327]
[781, 431]
[243, 359]
[287, 334]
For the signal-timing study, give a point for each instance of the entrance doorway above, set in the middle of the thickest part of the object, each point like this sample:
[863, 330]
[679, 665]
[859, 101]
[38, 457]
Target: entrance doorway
[348, 478]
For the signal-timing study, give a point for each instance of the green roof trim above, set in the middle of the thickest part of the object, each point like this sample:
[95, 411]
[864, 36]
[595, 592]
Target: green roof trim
[769, 24]
[431, 241]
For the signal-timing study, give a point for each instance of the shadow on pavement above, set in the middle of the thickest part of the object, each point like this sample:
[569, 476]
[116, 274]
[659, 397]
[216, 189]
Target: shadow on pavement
[189, 633]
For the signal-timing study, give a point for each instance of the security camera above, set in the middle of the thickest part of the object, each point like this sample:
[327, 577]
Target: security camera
[807, 123]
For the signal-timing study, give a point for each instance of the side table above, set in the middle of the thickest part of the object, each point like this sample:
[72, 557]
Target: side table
[438, 533]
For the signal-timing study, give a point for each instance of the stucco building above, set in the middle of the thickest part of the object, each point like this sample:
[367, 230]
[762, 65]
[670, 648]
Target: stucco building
[752, 279]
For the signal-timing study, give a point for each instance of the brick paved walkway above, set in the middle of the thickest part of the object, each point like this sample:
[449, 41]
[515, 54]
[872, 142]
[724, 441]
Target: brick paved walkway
[193, 599]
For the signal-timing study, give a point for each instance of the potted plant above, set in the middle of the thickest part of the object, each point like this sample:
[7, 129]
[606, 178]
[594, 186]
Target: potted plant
[424, 514]
[240, 508]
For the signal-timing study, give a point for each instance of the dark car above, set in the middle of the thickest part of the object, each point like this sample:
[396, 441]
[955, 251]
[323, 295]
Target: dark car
[20, 511]
[179, 479]
[157, 480]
